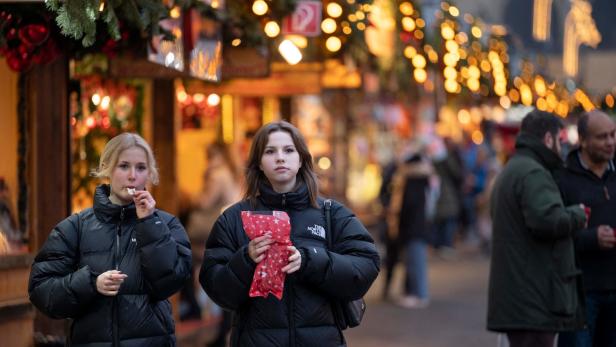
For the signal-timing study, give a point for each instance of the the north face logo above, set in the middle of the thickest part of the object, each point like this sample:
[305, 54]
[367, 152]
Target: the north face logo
[317, 230]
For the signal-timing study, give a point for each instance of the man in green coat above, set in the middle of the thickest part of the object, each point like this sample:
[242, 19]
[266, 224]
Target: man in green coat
[534, 291]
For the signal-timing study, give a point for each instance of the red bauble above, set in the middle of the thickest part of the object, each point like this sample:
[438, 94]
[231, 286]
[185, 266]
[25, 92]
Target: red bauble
[15, 62]
[33, 34]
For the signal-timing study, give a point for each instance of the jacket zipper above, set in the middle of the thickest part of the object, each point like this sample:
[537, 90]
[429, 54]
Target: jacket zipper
[284, 200]
[291, 310]
[116, 335]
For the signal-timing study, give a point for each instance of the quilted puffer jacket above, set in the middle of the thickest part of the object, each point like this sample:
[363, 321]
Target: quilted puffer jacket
[154, 252]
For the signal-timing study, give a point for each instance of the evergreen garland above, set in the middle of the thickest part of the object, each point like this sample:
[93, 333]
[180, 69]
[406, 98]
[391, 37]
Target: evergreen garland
[78, 18]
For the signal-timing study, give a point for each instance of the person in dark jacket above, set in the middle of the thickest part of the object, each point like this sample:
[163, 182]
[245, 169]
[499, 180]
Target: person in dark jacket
[533, 292]
[590, 179]
[111, 268]
[280, 177]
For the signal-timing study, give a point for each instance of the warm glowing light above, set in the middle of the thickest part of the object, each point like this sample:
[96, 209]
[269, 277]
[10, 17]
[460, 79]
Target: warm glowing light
[420, 75]
[420, 22]
[410, 52]
[324, 163]
[227, 118]
[514, 95]
[542, 104]
[406, 8]
[175, 12]
[360, 15]
[584, 100]
[473, 84]
[542, 17]
[476, 31]
[452, 45]
[526, 94]
[419, 61]
[259, 7]
[347, 30]
[464, 117]
[500, 89]
[451, 59]
[454, 11]
[505, 102]
[447, 32]
[105, 102]
[101, 7]
[328, 25]
[473, 72]
[408, 24]
[540, 86]
[333, 44]
[289, 51]
[418, 34]
[485, 66]
[609, 100]
[361, 26]
[236, 42]
[90, 122]
[451, 86]
[198, 98]
[272, 29]
[334, 10]
[461, 37]
[433, 57]
[299, 40]
[450, 73]
[213, 100]
[477, 137]
[182, 96]
[96, 99]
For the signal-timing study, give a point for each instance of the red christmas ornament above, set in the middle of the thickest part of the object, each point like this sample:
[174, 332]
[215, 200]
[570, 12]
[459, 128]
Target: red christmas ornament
[34, 34]
[15, 62]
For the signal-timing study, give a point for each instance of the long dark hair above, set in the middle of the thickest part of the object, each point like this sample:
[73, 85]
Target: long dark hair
[254, 175]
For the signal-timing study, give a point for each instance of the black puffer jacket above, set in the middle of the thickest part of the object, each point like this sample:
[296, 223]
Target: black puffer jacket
[304, 316]
[155, 254]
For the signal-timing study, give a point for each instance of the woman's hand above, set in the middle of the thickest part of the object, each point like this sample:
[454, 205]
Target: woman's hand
[258, 246]
[295, 260]
[144, 203]
[108, 283]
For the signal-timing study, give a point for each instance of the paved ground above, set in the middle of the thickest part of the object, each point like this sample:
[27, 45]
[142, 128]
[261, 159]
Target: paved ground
[455, 317]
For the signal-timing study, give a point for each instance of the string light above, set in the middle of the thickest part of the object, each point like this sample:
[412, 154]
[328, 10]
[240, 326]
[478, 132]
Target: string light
[259, 7]
[272, 29]
[334, 10]
[333, 44]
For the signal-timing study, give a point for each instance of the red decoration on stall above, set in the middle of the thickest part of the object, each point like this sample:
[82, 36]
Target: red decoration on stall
[269, 277]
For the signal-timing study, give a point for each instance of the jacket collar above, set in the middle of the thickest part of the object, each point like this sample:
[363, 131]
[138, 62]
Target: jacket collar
[297, 199]
[530, 146]
[576, 163]
[109, 212]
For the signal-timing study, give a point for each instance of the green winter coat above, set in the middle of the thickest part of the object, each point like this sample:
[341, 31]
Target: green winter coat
[534, 282]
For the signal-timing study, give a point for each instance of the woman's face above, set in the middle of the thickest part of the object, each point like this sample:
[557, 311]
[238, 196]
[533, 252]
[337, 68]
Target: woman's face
[131, 171]
[280, 161]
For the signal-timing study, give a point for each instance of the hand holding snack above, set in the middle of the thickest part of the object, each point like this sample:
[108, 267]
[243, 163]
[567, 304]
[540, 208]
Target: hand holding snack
[144, 202]
[257, 247]
[108, 283]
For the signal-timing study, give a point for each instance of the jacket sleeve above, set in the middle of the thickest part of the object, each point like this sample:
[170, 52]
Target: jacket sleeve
[164, 252]
[543, 208]
[57, 287]
[346, 271]
[227, 270]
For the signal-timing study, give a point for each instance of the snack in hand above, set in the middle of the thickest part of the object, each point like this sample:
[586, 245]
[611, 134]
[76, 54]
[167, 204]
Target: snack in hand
[268, 277]
[131, 191]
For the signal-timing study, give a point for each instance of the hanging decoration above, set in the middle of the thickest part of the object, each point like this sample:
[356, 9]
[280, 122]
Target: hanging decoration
[580, 29]
[26, 38]
[542, 19]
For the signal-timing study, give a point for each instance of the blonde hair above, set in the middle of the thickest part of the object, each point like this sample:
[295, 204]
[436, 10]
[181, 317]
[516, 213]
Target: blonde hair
[118, 144]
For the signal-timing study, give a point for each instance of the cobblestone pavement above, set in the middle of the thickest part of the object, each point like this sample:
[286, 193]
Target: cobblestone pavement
[454, 318]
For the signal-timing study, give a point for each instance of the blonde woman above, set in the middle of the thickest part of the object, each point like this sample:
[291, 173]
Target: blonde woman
[112, 267]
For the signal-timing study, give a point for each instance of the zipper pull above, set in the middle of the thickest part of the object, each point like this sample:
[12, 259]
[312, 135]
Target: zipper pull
[606, 192]
[122, 214]
[284, 200]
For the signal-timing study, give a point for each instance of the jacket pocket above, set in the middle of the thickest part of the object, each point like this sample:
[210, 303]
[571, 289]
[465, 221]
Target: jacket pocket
[563, 298]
